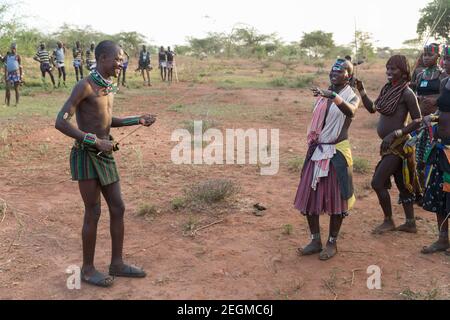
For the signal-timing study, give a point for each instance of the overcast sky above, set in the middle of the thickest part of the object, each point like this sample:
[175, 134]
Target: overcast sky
[170, 22]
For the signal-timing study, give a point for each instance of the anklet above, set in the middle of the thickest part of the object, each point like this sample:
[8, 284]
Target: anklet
[315, 236]
[410, 221]
[332, 240]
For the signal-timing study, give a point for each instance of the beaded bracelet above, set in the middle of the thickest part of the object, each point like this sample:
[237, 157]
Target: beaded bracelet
[90, 139]
[132, 121]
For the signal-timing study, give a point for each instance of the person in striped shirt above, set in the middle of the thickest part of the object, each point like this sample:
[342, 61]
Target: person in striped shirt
[43, 57]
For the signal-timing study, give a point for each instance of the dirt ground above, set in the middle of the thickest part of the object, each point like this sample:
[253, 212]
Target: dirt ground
[243, 256]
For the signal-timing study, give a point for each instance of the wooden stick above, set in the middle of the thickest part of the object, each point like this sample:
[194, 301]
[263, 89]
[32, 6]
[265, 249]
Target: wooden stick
[331, 289]
[205, 227]
[353, 275]
[19, 233]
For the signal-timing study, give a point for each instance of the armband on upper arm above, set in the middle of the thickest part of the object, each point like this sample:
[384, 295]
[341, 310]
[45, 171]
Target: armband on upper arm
[66, 116]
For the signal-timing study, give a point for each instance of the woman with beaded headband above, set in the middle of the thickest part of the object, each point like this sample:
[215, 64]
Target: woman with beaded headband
[427, 90]
[326, 184]
[437, 195]
[92, 162]
[395, 103]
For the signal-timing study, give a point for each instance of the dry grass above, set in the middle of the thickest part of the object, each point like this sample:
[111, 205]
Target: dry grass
[295, 164]
[211, 191]
[361, 165]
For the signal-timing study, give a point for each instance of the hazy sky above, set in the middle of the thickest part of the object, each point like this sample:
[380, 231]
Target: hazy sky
[170, 22]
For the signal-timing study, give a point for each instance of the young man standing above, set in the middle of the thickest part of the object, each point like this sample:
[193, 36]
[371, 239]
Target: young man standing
[92, 162]
[90, 57]
[145, 65]
[123, 72]
[170, 64]
[78, 60]
[43, 57]
[59, 56]
[13, 73]
[162, 62]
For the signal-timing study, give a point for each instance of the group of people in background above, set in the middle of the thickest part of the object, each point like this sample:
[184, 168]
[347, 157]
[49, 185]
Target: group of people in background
[48, 61]
[414, 127]
[166, 64]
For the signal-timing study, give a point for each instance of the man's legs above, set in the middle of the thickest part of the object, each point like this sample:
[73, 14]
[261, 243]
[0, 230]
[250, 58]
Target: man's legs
[119, 76]
[43, 77]
[90, 192]
[76, 74]
[8, 93]
[59, 77]
[113, 197]
[81, 72]
[148, 77]
[63, 71]
[52, 78]
[387, 167]
[16, 88]
[143, 75]
[124, 79]
[171, 74]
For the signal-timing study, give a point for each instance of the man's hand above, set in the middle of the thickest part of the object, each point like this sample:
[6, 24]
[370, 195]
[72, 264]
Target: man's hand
[427, 120]
[104, 145]
[359, 85]
[147, 120]
[323, 93]
[387, 142]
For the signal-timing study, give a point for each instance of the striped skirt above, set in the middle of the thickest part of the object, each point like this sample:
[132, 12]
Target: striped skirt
[85, 164]
[327, 198]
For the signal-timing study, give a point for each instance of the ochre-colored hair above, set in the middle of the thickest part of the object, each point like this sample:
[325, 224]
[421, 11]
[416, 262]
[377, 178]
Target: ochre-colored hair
[400, 62]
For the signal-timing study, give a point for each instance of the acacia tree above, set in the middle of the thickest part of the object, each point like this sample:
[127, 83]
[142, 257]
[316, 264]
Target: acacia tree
[131, 41]
[366, 49]
[318, 43]
[437, 11]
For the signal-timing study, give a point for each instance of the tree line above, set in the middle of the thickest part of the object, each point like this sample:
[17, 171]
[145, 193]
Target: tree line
[242, 41]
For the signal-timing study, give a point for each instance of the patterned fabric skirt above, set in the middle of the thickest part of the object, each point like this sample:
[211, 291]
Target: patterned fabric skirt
[422, 148]
[14, 77]
[86, 164]
[327, 198]
[436, 199]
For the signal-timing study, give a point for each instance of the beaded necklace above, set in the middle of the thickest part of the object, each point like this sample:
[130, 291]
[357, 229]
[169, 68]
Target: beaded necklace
[430, 71]
[107, 85]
